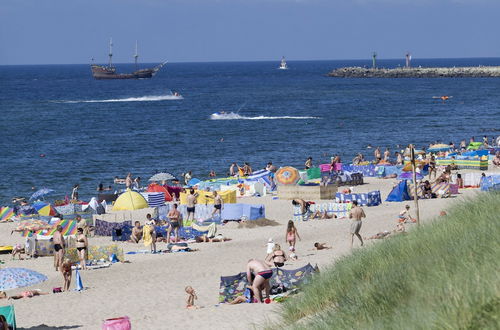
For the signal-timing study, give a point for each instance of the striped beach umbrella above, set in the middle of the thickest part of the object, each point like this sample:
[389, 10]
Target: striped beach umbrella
[439, 147]
[287, 175]
[6, 213]
[44, 209]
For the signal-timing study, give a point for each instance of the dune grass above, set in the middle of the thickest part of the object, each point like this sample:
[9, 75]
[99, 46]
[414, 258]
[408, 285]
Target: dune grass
[443, 275]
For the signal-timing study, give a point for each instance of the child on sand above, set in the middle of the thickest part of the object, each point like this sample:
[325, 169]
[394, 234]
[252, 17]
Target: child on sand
[321, 246]
[292, 234]
[18, 249]
[292, 255]
[270, 247]
[66, 272]
[191, 298]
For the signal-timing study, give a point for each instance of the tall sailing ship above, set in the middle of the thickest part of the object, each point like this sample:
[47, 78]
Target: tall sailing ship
[109, 71]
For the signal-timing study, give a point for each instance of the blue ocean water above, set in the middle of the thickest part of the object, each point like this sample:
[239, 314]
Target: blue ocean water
[91, 131]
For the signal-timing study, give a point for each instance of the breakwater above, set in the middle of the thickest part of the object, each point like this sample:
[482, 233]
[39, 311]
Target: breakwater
[418, 72]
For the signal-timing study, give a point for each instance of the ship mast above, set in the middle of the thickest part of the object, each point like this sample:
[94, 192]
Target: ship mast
[110, 52]
[136, 55]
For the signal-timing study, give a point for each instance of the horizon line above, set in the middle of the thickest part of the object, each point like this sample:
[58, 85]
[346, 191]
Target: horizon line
[258, 61]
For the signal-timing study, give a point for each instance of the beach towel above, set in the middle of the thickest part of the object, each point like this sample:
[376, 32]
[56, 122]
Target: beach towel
[234, 286]
[146, 235]
[97, 252]
[105, 228]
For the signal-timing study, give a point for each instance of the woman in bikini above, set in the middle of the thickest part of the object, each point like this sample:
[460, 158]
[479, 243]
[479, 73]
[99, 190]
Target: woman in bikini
[277, 258]
[24, 294]
[292, 234]
[81, 247]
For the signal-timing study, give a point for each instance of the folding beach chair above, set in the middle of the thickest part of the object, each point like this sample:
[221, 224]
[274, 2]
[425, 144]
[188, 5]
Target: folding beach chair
[10, 315]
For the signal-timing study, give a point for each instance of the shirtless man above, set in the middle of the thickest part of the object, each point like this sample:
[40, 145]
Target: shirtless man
[260, 281]
[233, 169]
[218, 204]
[136, 233]
[129, 181]
[377, 154]
[59, 248]
[175, 223]
[191, 201]
[309, 163]
[356, 214]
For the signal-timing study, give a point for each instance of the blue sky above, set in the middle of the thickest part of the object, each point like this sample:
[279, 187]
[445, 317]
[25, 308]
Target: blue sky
[74, 31]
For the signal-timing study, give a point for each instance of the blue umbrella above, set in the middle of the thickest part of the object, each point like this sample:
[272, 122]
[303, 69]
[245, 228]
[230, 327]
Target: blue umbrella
[409, 176]
[12, 278]
[40, 193]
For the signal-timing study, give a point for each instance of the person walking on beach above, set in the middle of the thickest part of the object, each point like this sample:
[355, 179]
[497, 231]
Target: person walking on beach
[175, 222]
[356, 213]
[377, 154]
[187, 177]
[218, 204]
[309, 163]
[74, 192]
[149, 233]
[59, 247]
[291, 234]
[191, 203]
[258, 275]
[129, 181]
[232, 169]
[81, 247]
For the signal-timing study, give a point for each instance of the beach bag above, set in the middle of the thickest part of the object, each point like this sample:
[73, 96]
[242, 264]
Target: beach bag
[119, 323]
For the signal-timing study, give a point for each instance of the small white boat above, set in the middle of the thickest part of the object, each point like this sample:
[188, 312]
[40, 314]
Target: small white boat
[283, 65]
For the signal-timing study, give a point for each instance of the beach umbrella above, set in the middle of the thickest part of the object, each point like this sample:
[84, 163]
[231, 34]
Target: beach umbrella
[12, 278]
[162, 176]
[409, 176]
[41, 193]
[161, 189]
[44, 209]
[6, 213]
[287, 175]
[439, 147]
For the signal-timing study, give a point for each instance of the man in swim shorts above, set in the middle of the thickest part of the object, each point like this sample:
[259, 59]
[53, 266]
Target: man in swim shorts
[191, 201]
[136, 233]
[218, 204]
[356, 214]
[175, 223]
[58, 247]
[262, 274]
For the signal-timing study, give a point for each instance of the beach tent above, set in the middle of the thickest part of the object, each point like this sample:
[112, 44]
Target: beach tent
[159, 188]
[399, 193]
[130, 200]
[234, 286]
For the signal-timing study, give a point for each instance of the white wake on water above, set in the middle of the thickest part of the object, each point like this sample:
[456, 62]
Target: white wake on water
[235, 116]
[130, 99]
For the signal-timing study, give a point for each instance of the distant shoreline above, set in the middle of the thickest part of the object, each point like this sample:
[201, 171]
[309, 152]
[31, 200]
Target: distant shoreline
[419, 72]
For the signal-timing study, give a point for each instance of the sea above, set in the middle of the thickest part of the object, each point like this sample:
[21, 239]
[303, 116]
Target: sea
[60, 127]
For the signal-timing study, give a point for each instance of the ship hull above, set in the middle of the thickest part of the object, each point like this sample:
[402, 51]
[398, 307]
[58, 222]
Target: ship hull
[106, 73]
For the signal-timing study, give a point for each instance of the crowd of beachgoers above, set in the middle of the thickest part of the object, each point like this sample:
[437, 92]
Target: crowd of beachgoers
[327, 239]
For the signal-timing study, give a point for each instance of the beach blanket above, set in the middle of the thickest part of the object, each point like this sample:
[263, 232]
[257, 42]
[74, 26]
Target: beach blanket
[342, 178]
[97, 252]
[341, 210]
[234, 286]
[372, 198]
[104, 228]
[367, 170]
[490, 183]
[44, 246]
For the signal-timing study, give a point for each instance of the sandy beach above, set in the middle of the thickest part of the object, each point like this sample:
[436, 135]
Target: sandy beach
[150, 288]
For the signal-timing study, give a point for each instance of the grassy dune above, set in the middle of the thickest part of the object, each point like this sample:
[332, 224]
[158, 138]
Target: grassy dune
[444, 275]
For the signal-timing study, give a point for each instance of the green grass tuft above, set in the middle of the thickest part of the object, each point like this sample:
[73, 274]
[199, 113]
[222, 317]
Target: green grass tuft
[443, 275]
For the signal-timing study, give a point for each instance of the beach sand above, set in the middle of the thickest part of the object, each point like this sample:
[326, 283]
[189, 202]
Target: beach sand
[150, 289]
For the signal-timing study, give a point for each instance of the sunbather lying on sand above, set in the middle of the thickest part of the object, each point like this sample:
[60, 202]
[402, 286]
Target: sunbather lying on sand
[400, 228]
[321, 246]
[25, 294]
[205, 239]
[247, 297]
[322, 215]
